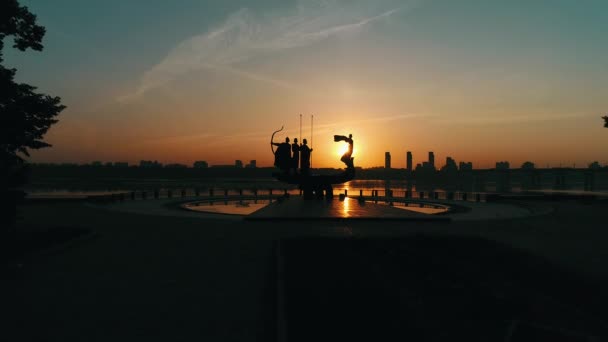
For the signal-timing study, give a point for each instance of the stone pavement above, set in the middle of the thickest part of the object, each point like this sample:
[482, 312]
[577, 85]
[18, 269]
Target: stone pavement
[163, 276]
[426, 288]
[295, 208]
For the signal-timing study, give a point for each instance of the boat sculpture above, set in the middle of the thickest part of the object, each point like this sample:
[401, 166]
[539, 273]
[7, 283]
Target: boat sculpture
[319, 186]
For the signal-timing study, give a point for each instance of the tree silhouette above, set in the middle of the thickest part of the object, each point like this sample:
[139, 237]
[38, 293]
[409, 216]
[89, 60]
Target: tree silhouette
[605, 121]
[25, 116]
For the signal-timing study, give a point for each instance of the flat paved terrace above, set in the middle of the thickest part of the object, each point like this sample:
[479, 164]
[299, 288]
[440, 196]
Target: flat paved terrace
[296, 208]
[161, 277]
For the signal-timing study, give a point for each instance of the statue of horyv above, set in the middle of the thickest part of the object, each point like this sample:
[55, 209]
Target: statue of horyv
[312, 186]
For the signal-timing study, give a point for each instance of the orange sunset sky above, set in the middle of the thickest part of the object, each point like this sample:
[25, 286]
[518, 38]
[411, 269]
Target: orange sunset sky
[211, 80]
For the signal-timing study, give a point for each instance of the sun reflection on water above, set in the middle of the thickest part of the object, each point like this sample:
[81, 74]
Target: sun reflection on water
[346, 207]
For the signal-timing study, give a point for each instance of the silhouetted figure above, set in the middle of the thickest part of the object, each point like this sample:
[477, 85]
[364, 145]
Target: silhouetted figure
[295, 158]
[305, 157]
[282, 156]
[346, 157]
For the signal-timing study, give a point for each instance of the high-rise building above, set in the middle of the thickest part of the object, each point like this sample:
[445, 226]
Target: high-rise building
[409, 161]
[450, 164]
[432, 159]
[387, 160]
[238, 164]
[252, 164]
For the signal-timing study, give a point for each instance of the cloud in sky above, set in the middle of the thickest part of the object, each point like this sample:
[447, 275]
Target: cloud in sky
[510, 119]
[218, 139]
[246, 35]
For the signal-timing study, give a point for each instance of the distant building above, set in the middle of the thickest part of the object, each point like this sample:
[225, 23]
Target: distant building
[387, 160]
[527, 166]
[121, 164]
[595, 166]
[109, 164]
[96, 163]
[450, 165]
[252, 164]
[222, 166]
[200, 164]
[502, 165]
[466, 166]
[238, 164]
[432, 160]
[409, 160]
[176, 166]
[150, 164]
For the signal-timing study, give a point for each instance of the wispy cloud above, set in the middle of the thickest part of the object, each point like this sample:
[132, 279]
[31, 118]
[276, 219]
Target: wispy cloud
[219, 138]
[349, 27]
[246, 35]
[509, 119]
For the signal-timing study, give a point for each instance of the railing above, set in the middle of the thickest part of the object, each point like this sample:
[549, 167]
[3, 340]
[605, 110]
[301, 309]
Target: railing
[405, 195]
[228, 194]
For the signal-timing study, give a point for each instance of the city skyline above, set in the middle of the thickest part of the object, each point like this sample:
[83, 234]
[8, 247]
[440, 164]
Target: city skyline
[513, 81]
[410, 164]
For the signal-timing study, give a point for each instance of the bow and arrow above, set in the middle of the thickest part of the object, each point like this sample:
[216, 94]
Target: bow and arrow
[272, 138]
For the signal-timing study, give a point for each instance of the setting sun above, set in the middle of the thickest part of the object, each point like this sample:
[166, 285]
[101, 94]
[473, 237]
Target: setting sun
[215, 92]
[341, 149]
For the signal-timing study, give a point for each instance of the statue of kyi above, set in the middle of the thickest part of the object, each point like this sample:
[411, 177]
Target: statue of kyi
[294, 162]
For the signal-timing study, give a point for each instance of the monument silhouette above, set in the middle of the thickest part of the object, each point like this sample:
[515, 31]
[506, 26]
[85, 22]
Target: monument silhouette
[312, 186]
[305, 157]
[282, 155]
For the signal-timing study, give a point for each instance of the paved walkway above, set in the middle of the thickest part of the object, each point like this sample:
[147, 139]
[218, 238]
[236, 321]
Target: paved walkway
[181, 278]
[350, 208]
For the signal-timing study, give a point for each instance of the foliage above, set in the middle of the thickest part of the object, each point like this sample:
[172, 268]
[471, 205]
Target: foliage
[17, 21]
[25, 116]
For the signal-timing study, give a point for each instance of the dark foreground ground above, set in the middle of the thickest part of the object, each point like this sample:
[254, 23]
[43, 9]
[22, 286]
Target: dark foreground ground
[157, 278]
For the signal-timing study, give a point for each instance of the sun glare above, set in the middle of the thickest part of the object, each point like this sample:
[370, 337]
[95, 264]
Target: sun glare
[343, 148]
